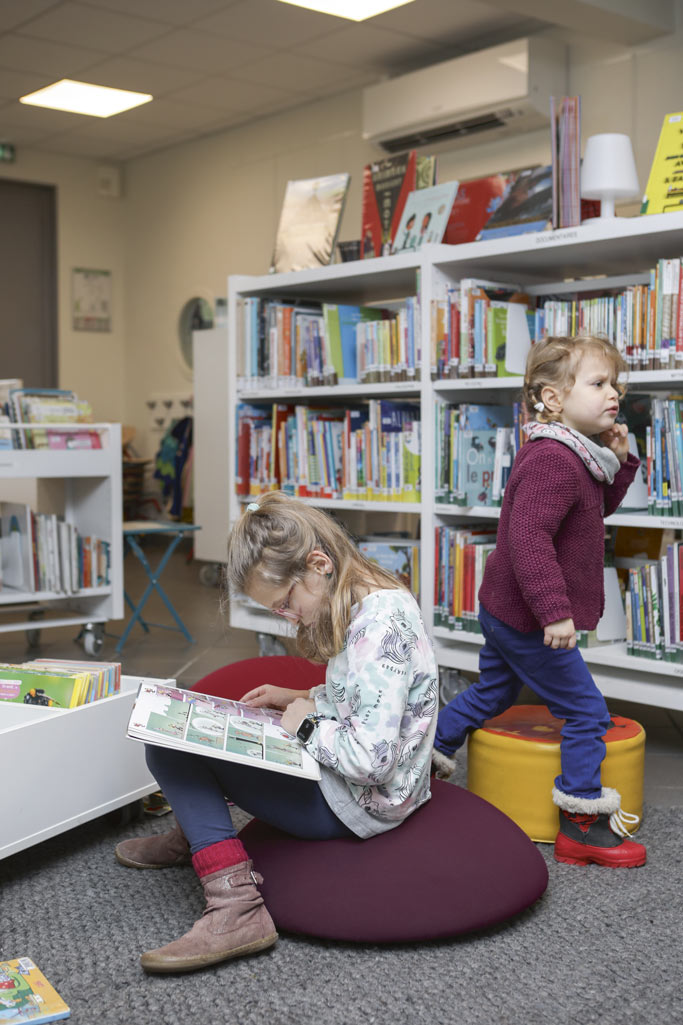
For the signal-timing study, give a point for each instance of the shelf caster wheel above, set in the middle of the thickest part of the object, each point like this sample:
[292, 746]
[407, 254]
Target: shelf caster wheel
[33, 636]
[210, 575]
[92, 639]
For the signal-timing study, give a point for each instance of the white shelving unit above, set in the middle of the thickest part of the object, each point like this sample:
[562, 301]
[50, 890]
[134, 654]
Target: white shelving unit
[63, 767]
[85, 487]
[588, 257]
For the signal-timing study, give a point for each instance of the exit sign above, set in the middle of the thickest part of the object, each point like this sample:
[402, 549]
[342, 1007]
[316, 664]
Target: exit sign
[7, 152]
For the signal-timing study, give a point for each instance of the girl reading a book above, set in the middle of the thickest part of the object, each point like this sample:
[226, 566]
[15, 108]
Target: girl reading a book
[370, 726]
[544, 581]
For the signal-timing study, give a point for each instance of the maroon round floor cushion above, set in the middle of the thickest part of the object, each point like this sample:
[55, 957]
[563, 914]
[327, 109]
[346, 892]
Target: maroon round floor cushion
[456, 865]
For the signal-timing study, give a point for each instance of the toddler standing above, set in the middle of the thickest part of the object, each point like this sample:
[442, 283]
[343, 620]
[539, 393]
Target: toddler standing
[544, 581]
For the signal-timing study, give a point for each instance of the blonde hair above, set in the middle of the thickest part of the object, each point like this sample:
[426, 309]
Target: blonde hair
[554, 361]
[272, 543]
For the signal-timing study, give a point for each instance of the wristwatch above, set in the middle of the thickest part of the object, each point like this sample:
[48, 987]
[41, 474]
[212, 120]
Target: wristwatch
[306, 726]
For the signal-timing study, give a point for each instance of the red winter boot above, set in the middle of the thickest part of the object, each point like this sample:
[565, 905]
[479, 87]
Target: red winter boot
[594, 831]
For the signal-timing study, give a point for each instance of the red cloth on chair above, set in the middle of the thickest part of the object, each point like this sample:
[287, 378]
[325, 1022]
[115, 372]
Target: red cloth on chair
[234, 680]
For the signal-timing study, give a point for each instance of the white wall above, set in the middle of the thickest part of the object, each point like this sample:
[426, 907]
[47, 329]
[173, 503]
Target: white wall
[90, 233]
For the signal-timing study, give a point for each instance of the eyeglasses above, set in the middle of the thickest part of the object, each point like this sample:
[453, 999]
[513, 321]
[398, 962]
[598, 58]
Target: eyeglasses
[283, 608]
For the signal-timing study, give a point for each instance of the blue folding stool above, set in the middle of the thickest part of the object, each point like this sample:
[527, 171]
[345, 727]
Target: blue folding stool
[132, 530]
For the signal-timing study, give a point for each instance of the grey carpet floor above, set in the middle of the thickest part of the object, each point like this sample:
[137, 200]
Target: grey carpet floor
[601, 946]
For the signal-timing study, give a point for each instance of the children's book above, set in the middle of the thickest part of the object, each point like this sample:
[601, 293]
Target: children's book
[309, 222]
[36, 686]
[664, 190]
[203, 724]
[475, 202]
[528, 205]
[27, 996]
[425, 217]
[387, 184]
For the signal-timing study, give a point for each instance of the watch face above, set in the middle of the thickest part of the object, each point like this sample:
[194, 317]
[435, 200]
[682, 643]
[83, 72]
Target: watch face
[305, 730]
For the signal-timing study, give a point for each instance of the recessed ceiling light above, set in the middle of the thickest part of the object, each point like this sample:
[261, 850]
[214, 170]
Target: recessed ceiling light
[83, 98]
[354, 10]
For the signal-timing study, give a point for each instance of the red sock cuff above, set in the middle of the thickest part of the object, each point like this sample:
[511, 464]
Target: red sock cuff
[218, 856]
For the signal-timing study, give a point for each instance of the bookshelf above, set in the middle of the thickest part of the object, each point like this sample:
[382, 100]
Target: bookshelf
[585, 258]
[83, 486]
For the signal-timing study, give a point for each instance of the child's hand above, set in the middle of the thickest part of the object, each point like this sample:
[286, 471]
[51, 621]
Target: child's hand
[295, 712]
[616, 438]
[561, 634]
[269, 696]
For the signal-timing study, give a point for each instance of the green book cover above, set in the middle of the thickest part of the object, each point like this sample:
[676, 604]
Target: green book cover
[32, 687]
[332, 330]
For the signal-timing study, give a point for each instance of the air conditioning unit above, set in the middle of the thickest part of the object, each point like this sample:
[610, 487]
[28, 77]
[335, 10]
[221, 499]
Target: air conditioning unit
[502, 90]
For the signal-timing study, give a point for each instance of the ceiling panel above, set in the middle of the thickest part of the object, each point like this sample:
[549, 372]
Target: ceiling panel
[274, 24]
[19, 53]
[18, 83]
[124, 72]
[99, 29]
[175, 12]
[365, 46]
[15, 12]
[200, 51]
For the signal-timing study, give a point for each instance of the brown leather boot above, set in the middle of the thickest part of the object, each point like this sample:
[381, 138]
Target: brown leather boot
[235, 922]
[161, 851]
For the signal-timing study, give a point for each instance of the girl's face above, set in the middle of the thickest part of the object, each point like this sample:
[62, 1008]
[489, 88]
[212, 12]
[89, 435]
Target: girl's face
[297, 602]
[592, 404]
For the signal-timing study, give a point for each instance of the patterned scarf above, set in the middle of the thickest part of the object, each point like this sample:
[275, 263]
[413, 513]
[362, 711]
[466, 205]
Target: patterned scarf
[600, 461]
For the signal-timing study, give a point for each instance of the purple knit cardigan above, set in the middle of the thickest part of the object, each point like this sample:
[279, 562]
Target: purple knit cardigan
[550, 547]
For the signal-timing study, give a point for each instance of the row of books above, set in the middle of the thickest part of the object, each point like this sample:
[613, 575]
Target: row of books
[47, 406]
[475, 447]
[485, 328]
[370, 452]
[43, 552]
[664, 449]
[460, 558]
[58, 683]
[654, 608]
[285, 344]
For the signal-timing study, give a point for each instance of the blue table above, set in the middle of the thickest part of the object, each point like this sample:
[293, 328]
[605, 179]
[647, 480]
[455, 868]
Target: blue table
[132, 531]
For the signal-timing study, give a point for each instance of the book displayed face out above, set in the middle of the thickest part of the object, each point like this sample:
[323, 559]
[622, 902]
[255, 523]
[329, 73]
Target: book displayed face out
[309, 222]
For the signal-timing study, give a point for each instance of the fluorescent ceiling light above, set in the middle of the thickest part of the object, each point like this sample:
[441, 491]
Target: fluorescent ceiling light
[354, 10]
[83, 98]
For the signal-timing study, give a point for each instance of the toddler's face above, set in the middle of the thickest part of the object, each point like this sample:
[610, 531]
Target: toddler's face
[592, 404]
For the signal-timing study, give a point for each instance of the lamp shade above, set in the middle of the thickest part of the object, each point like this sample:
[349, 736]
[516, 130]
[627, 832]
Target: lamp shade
[608, 170]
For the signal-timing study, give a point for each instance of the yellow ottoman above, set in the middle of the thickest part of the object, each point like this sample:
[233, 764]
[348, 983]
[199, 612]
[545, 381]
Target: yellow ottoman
[513, 760]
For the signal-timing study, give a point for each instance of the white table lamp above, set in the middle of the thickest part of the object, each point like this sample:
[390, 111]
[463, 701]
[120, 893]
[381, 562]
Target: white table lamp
[608, 171]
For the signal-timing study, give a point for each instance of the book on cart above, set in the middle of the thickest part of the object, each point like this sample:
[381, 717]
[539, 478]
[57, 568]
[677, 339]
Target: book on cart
[27, 996]
[168, 716]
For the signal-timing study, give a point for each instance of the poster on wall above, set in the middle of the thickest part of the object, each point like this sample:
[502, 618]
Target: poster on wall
[91, 299]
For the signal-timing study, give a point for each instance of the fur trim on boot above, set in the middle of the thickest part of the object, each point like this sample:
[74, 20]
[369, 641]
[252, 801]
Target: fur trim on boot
[163, 850]
[443, 767]
[235, 922]
[608, 802]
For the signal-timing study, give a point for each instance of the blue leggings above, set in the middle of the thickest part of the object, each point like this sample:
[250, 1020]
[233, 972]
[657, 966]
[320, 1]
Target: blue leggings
[559, 676]
[196, 788]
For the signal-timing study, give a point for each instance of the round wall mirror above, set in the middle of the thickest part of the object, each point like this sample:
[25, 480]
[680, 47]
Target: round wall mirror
[196, 315]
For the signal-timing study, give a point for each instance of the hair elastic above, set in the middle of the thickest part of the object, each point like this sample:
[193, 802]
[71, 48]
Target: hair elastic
[252, 507]
[539, 406]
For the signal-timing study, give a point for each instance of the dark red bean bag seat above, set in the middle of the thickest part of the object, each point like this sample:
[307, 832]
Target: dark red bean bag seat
[455, 866]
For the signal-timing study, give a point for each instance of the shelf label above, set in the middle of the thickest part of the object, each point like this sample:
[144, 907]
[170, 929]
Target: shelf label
[555, 236]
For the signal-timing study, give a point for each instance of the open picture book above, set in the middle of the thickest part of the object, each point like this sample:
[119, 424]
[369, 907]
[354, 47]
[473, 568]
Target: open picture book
[168, 716]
